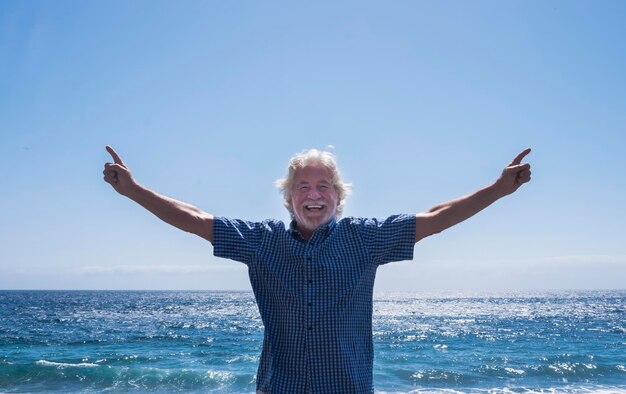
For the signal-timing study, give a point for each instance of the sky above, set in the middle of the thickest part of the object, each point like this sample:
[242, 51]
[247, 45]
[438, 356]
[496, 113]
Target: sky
[206, 102]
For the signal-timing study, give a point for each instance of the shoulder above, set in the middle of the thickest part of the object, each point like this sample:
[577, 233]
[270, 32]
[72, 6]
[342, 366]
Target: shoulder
[370, 229]
[270, 225]
[352, 221]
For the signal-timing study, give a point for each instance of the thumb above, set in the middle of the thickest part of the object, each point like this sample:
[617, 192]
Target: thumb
[116, 158]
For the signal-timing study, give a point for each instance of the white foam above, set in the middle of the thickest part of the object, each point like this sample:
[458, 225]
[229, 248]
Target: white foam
[65, 365]
[517, 390]
[515, 371]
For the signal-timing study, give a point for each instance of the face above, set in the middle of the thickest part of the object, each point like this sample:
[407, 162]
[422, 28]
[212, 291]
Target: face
[313, 198]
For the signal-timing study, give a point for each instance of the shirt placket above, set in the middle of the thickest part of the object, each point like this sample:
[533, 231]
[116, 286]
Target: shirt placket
[311, 295]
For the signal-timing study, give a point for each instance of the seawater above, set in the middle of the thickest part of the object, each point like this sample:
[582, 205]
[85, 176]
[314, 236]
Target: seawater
[209, 342]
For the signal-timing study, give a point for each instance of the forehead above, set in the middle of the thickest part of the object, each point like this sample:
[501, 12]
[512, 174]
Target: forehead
[313, 173]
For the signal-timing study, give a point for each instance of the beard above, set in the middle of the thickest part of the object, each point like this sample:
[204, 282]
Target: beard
[312, 222]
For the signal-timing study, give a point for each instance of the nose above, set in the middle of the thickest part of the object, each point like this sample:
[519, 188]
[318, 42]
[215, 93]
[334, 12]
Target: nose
[314, 194]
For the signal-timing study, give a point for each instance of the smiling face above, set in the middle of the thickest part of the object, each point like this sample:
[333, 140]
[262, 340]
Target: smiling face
[313, 198]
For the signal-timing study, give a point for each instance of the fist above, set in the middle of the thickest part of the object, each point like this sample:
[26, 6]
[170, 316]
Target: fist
[117, 174]
[515, 174]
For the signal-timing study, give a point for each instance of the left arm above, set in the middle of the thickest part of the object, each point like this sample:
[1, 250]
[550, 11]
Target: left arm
[447, 214]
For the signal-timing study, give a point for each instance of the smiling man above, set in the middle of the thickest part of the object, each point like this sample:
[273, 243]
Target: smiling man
[313, 280]
[313, 190]
[313, 200]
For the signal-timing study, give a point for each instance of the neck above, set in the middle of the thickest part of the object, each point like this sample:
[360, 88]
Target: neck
[306, 233]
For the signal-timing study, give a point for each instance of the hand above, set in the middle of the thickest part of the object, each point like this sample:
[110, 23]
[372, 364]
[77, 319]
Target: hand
[117, 174]
[515, 174]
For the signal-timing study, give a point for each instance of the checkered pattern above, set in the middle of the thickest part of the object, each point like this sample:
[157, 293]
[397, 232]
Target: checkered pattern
[315, 297]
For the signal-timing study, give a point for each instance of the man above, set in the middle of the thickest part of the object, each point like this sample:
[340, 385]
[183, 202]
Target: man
[313, 281]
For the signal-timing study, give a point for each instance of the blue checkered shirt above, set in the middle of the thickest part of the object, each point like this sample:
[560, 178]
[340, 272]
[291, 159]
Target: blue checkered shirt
[315, 296]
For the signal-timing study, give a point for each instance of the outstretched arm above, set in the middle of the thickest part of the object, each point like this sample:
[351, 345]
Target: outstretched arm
[177, 213]
[447, 214]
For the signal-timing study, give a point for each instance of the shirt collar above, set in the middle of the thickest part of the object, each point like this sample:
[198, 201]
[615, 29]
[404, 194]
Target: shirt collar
[324, 230]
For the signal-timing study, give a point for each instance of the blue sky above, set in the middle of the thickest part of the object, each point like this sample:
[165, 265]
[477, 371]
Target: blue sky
[206, 101]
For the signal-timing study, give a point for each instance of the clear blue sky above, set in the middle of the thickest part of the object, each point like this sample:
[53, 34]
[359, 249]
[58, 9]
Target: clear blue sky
[207, 100]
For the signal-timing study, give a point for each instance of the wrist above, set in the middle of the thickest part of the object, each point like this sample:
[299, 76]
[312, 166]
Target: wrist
[500, 189]
[135, 191]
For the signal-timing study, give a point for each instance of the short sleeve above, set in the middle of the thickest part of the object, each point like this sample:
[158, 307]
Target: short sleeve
[236, 239]
[390, 239]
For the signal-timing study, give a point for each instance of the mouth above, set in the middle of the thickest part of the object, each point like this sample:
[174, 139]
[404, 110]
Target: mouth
[313, 207]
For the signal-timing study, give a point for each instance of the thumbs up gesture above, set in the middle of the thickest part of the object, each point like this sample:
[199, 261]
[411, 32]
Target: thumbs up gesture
[117, 174]
[515, 174]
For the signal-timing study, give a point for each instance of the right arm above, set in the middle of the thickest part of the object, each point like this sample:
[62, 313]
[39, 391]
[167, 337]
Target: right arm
[177, 213]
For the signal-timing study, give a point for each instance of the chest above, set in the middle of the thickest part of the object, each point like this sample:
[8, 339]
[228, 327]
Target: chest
[325, 271]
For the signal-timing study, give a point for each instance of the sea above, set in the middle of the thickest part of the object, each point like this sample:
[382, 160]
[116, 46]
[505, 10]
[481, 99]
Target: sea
[210, 341]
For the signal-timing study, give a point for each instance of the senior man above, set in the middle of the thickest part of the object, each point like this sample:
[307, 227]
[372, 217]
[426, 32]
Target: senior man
[313, 280]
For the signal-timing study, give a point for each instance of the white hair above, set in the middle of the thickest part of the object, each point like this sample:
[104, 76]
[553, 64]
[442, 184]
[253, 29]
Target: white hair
[308, 158]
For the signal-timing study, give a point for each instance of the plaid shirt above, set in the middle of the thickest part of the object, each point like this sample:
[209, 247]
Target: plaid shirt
[315, 296]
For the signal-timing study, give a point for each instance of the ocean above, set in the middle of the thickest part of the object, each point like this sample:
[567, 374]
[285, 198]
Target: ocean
[209, 342]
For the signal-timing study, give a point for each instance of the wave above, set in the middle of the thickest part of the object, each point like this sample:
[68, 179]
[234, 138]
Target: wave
[65, 365]
[470, 375]
[599, 389]
[52, 376]
[100, 376]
